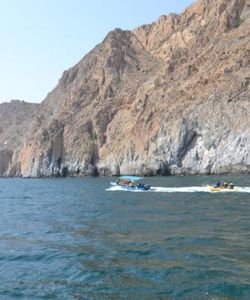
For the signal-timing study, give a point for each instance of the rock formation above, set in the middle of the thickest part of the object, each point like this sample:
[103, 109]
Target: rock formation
[15, 119]
[171, 97]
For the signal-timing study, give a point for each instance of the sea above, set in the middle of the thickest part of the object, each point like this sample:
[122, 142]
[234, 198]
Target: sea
[80, 238]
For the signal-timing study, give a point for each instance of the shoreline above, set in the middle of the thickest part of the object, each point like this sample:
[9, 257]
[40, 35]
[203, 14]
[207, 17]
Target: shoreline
[116, 176]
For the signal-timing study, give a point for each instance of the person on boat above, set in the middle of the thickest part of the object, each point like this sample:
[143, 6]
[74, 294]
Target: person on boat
[231, 186]
[225, 184]
[140, 185]
[217, 184]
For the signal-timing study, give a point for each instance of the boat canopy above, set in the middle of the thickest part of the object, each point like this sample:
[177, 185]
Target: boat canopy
[132, 178]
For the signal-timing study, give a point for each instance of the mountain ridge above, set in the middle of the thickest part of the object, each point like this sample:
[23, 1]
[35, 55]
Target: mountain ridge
[171, 97]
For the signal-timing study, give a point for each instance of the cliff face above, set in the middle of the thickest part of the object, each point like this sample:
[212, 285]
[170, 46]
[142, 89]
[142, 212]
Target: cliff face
[15, 119]
[169, 97]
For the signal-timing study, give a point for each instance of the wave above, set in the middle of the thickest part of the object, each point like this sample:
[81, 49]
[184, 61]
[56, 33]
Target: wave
[243, 189]
[190, 189]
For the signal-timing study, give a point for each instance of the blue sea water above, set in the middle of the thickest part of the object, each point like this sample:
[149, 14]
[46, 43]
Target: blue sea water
[81, 239]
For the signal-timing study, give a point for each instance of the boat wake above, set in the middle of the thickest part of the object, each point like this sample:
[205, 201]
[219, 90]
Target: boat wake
[190, 189]
[119, 188]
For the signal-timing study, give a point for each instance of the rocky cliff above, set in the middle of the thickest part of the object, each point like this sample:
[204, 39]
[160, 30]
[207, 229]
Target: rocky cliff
[169, 97]
[15, 119]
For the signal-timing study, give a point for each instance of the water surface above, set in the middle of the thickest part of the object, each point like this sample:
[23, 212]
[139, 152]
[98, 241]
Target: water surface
[74, 239]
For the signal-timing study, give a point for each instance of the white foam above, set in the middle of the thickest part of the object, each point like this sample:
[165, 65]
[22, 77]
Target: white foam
[190, 189]
[243, 189]
[114, 188]
[119, 188]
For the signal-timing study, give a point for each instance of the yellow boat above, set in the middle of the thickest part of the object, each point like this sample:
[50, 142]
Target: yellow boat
[219, 189]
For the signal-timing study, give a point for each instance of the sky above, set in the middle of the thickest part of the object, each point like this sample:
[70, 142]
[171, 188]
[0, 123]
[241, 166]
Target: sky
[39, 39]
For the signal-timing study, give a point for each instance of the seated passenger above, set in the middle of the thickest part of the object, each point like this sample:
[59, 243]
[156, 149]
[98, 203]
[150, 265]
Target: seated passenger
[217, 184]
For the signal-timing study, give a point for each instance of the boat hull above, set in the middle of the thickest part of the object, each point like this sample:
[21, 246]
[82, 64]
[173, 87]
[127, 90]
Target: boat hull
[130, 188]
[219, 189]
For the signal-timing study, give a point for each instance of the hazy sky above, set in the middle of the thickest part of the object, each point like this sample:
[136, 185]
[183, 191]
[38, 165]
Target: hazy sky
[39, 39]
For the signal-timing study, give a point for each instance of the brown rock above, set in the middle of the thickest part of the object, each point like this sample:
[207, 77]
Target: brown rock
[169, 97]
[15, 119]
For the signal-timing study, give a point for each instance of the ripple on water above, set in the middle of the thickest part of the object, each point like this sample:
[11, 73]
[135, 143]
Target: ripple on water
[66, 239]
